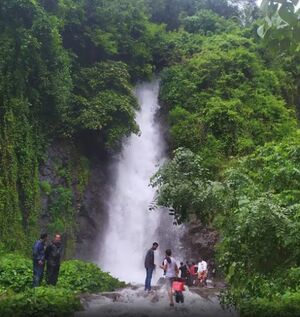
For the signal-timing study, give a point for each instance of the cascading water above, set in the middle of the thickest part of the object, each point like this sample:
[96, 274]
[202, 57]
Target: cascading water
[132, 228]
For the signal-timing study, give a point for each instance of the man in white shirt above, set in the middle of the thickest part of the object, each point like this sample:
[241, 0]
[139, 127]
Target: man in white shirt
[202, 272]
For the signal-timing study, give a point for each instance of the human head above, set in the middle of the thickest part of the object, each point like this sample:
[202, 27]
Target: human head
[200, 259]
[57, 238]
[181, 263]
[43, 236]
[154, 245]
[168, 252]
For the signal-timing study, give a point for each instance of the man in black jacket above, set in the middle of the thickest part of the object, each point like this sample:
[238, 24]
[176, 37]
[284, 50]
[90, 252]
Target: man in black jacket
[149, 265]
[53, 255]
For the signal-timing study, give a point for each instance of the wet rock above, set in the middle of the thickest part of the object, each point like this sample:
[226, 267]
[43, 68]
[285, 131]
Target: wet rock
[114, 296]
[161, 281]
[199, 240]
[155, 298]
[90, 209]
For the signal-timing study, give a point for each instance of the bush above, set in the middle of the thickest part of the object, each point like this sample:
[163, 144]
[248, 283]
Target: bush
[15, 272]
[81, 276]
[40, 302]
[287, 305]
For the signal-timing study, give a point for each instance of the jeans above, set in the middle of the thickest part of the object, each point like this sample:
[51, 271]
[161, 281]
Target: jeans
[149, 272]
[38, 272]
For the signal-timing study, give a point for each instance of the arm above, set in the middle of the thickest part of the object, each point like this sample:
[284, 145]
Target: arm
[176, 270]
[164, 266]
[47, 252]
[39, 252]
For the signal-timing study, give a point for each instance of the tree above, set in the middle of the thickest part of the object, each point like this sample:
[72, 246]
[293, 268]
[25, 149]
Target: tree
[281, 25]
[103, 103]
[227, 101]
[183, 184]
[35, 86]
[207, 22]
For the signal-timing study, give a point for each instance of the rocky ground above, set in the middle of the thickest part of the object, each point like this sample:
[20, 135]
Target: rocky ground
[133, 301]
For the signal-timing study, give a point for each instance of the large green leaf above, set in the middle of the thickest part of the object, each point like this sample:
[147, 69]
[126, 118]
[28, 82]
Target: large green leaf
[286, 12]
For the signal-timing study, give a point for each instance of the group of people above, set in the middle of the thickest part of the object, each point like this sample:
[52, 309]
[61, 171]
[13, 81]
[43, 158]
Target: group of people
[192, 274]
[49, 256]
[169, 266]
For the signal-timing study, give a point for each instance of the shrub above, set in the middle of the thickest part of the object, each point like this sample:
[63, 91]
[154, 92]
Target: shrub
[40, 302]
[15, 272]
[86, 277]
[16, 275]
[287, 305]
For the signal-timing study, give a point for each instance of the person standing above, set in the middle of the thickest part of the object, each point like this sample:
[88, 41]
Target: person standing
[38, 259]
[189, 278]
[193, 273]
[202, 272]
[183, 271]
[53, 255]
[150, 266]
[171, 268]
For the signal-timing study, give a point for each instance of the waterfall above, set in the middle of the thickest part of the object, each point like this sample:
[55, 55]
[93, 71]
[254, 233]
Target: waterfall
[132, 227]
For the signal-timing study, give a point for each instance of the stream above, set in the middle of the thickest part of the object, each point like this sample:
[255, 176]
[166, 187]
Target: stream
[135, 302]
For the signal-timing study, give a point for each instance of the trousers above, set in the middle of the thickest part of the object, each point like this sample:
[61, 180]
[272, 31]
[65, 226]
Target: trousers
[149, 272]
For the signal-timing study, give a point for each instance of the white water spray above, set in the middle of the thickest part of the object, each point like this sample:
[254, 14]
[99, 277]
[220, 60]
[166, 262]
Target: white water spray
[132, 228]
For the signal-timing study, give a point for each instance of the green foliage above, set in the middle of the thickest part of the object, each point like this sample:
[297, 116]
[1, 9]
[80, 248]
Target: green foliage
[174, 47]
[61, 210]
[75, 275]
[184, 185]
[117, 30]
[281, 25]
[103, 101]
[46, 187]
[57, 82]
[35, 85]
[207, 22]
[171, 12]
[227, 108]
[226, 97]
[261, 222]
[81, 276]
[287, 305]
[15, 272]
[66, 71]
[40, 302]
[65, 198]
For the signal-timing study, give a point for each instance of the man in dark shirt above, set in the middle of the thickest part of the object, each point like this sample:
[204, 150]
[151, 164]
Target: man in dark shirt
[149, 266]
[53, 255]
[183, 270]
[38, 259]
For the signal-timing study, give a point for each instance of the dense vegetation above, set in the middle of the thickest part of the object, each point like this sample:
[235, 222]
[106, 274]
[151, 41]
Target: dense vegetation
[17, 298]
[231, 101]
[232, 109]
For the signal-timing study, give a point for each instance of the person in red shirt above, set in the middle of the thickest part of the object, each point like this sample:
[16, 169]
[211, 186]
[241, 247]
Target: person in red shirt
[193, 272]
